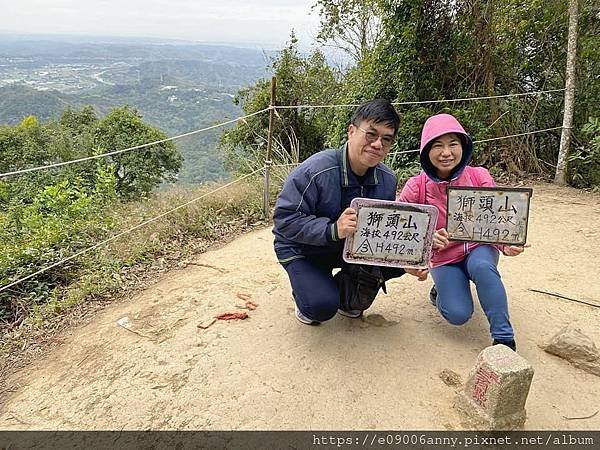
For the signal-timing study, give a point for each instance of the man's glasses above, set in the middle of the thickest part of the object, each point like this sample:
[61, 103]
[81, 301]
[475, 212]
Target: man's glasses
[372, 136]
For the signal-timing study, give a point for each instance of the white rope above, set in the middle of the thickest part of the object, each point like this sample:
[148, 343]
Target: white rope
[350, 105]
[547, 163]
[274, 107]
[486, 140]
[517, 135]
[452, 100]
[137, 147]
[422, 102]
[285, 165]
[112, 238]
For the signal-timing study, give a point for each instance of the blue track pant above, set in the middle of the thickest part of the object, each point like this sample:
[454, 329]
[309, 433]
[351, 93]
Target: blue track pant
[454, 298]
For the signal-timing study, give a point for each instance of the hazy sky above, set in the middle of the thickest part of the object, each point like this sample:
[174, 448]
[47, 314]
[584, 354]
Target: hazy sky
[252, 21]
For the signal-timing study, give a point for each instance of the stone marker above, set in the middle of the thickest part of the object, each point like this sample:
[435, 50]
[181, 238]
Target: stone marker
[577, 348]
[495, 394]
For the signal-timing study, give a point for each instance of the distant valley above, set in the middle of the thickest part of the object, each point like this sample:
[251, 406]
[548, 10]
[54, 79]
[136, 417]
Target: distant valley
[177, 87]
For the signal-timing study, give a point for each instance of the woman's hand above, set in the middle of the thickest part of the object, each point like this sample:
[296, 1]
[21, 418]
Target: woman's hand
[440, 239]
[514, 250]
[421, 274]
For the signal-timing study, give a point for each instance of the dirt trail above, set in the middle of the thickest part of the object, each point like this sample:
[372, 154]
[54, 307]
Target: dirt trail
[270, 372]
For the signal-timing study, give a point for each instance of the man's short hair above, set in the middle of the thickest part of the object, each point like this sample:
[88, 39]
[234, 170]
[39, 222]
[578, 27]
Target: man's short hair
[378, 111]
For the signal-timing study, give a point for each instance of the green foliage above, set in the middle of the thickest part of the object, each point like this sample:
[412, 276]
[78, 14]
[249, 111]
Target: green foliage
[28, 144]
[300, 80]
[139, 171]
[437, 49]
[585, 161]
[66, 218]
[79, 134]
[61, 219]
[349, 25]
[48, 215]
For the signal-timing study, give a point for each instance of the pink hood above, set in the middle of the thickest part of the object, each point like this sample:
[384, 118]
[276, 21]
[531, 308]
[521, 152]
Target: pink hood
[428, 189]
[435, 127]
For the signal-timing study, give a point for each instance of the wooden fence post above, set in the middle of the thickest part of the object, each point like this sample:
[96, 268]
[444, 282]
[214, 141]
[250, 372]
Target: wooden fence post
[268, 162]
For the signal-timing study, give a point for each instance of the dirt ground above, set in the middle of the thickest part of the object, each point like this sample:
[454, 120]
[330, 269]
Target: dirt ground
[270, 372]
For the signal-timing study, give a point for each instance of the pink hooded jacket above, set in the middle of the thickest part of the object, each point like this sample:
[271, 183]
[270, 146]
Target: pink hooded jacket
[428, 189]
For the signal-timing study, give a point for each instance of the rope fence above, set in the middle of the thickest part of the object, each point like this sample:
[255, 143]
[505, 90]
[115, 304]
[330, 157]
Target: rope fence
[486, 140]
[269, 108]
[517, 135]
[273, 109]
[122, 233]
[137, 147]
[424, 102]
[474, 142]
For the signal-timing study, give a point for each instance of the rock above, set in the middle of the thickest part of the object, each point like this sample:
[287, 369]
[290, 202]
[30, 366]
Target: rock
[577, 348]
[124, 322]
[495, 394]
[450, 378]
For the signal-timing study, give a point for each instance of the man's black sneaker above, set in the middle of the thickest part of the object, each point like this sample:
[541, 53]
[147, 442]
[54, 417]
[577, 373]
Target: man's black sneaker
[510, 344]
[433, 296]
[302, 318]
[353, 313]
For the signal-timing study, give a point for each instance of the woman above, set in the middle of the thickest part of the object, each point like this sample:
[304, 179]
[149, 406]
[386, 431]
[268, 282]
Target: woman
[446, 150]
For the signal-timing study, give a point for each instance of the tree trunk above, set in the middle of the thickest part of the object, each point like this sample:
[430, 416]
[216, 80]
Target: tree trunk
[565, 137]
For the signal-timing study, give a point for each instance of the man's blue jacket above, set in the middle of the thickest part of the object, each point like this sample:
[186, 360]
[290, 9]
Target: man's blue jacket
[313, 197]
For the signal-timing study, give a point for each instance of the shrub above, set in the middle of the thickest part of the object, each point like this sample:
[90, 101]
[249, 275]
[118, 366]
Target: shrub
[584, 162]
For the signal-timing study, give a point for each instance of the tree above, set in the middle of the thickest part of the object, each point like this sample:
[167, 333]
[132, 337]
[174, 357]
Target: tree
[78, 134]
[47, 214]
[138, 171]
[447, 49]
[435, 50]
[26, 145]
[300, 81]
[349, 25]
[565, 139]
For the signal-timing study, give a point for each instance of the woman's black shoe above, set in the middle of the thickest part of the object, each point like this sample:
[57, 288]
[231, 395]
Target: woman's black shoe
[433, 296]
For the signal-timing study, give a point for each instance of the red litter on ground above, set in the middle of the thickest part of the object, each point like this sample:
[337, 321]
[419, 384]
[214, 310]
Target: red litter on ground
[251, 305]
[232, 316]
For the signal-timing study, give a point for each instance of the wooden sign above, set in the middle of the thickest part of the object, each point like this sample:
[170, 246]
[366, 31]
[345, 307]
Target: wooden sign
[392, 234]
[496, 215]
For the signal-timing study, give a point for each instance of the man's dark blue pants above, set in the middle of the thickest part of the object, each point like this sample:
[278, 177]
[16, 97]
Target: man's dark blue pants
[313, 287]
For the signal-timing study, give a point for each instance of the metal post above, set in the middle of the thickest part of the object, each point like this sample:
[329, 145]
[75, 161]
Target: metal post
[268, 162]
[565, 137]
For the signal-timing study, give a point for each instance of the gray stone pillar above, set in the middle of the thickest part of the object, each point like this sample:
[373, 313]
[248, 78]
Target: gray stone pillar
[495, 394]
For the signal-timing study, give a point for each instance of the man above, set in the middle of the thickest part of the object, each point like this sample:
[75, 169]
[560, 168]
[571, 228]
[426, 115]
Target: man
[312, 215]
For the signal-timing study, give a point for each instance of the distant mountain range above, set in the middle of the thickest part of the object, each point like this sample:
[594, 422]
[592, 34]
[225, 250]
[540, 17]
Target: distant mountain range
[129, 40]
[177, 86]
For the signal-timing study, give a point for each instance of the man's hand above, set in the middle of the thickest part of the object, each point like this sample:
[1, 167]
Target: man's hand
[421, 274]
[440, 239]
[346, 224]
[514, 250]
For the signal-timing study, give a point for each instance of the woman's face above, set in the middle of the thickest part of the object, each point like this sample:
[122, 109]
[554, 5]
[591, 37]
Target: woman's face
[445, 154]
